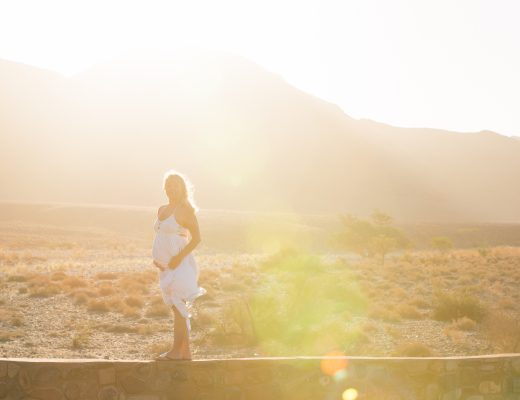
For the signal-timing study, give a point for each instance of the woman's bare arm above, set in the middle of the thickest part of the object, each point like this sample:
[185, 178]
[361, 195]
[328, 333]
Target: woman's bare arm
[186, 217]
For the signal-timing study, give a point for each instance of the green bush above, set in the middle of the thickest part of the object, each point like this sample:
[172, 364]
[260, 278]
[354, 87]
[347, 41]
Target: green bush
[298, 296]
[451, 306]
[372, 237]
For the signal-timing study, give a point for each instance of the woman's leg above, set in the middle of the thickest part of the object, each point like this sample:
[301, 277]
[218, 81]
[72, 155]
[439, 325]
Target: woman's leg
[184, 346]
[185, 349]
[180, 336]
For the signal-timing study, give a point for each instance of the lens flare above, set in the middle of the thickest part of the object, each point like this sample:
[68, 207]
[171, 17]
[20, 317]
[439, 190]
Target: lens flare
[350, 394]
[331, 366]
[340, 375]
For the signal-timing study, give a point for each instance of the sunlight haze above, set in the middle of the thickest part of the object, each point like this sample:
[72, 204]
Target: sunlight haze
[445, 64]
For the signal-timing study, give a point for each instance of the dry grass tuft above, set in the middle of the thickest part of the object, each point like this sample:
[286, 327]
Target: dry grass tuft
[106, 290]
[134, 301]
[81, 338]
[98, 306]
[73, 282]
[408, 311]
[19, 278]
[413, 349]
[384, 313]
[58, 276]
[119, 328]
[463, 324]
[131, 312]
[503, 330]
[44, 291]
[106, 276]
[6, 335]
[457, 336]
[158, 310]
[159, 347]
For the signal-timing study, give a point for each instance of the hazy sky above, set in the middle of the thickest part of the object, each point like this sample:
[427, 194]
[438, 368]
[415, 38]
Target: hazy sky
[450, 64]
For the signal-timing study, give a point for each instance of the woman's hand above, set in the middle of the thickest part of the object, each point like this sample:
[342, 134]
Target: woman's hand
[158, 265]
[175, 261]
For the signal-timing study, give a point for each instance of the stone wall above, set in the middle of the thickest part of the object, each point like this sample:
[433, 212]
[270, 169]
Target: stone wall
[466, 378]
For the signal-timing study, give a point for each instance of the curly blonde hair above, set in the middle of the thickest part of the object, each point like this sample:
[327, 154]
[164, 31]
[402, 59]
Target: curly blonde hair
[186, 187]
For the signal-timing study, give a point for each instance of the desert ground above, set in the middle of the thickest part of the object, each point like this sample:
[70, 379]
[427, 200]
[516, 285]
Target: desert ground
[77, 282]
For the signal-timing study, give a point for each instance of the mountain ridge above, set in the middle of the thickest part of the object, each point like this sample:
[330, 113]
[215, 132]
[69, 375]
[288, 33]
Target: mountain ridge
[249, 140]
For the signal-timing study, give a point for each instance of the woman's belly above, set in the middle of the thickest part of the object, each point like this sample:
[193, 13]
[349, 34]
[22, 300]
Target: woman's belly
[166, 246]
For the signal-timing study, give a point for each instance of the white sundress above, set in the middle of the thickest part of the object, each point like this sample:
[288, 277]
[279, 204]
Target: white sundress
[179, 286]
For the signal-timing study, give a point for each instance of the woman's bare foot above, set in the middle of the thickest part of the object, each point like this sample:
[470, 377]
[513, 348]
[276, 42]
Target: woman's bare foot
[167, 356]
[173, 353]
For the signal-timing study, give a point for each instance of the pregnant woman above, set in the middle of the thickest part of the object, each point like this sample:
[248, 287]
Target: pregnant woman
[179, 272]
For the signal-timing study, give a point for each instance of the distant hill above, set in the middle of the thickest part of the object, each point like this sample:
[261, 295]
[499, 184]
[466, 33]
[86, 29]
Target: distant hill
[247, 139]
[222, 231]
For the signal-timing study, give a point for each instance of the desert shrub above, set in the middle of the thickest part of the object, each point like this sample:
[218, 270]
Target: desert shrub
[503, 331]
[74, 282]
[413, 349]
[106, 276]
[158, 310]
[106, 290]
[135, 283]
[58, 276]
[144, 329]
[205, 318]
[407, 257]
[408, 311]
[419, 302]
[483, 252]
[80, 339]
[81, 297]
[115, 304]
[159, 347]
[119, 328]
[8, 257]
[463, 324]
[230, 286]
[44, 291]
[235, 318]
[375, 236]
[297, 297]
[134, 301]
[396, 294]
[508, 304]
[393, 332]
[17, 321]
[456, 335]
[384, 313]
[6, 335]
[17, 278]
[97, 306]
[354, 337]
[442, 243]
[451, 306]
[370, 327]
[130, 312]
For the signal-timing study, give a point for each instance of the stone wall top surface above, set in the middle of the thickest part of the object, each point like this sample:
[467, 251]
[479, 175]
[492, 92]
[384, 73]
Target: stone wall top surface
[484, 377]
[97, 360]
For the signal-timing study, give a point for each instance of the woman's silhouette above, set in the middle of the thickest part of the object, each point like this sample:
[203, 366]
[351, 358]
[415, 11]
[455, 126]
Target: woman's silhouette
[171, 253]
